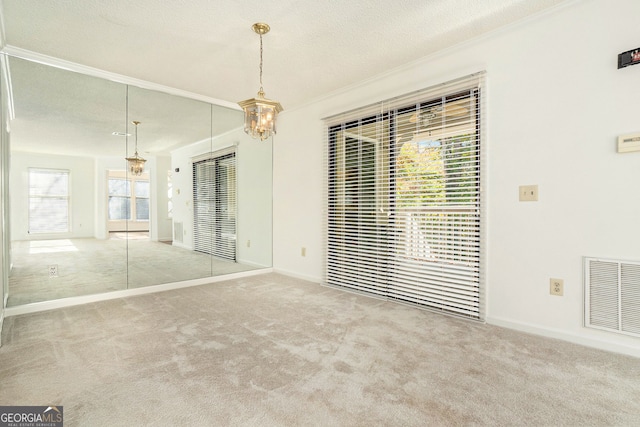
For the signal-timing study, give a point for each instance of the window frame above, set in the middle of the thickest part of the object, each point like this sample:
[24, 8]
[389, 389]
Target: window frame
[131, 223]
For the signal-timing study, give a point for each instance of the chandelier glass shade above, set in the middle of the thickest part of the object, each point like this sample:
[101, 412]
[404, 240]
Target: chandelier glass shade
[136, 163]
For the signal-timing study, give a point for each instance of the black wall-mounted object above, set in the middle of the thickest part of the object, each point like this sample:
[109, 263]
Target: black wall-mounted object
[177, 170]
[630, 57]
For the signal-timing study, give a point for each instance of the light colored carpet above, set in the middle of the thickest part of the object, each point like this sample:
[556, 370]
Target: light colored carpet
[91, 266]
[272, 350]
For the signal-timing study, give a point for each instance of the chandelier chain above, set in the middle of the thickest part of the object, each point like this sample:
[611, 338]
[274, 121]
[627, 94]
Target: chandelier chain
[136, 123]
[261, 90]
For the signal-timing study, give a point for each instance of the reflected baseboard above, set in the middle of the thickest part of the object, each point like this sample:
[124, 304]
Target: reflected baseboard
[181, 245]
[86, 299]
[250, 264]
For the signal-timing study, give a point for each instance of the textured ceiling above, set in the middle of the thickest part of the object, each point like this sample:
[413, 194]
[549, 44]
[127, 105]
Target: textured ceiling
[62, 112]
[208, 47]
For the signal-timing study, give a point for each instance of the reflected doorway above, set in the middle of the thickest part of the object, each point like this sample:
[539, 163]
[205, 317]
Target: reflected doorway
[128, 202]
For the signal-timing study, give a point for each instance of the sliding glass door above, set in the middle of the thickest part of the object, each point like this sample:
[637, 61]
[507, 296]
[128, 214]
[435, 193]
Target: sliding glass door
[214, 186]
[404, 203]
[358, 206]
[436, 234]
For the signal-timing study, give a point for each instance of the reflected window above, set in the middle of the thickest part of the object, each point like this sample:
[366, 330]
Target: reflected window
[119, 199]
[141, 195]
[128, 197]
[48, 201]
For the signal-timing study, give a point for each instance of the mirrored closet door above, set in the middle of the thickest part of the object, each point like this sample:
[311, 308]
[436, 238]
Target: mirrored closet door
[82, 222]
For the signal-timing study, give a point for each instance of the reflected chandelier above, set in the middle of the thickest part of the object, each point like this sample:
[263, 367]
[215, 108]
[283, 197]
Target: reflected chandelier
[260, 113]
[136, 163]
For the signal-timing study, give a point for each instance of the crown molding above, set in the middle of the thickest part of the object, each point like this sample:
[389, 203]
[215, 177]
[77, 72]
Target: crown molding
[6, 79]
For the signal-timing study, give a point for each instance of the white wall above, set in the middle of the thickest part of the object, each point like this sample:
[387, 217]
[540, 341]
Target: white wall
[555, 106]
[183, 189]
[254, 221]
[82, 171]
[255, 207]
[161, 226]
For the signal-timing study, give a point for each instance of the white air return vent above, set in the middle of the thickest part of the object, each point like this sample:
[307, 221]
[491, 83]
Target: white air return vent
[177, 232]
[612, 295]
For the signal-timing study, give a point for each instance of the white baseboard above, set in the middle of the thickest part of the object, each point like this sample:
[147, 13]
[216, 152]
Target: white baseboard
[86, 299]
[601, 344]
[284, 272]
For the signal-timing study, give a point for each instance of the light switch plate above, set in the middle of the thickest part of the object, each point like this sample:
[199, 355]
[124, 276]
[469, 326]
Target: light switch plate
[528, 193]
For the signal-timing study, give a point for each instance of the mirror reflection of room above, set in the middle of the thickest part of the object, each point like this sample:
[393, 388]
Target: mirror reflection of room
[84, 222]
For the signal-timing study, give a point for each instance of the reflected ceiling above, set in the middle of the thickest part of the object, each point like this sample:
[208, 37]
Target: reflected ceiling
[62, 112]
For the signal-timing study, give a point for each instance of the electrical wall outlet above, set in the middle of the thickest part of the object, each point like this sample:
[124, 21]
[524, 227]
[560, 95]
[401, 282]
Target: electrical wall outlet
[556, 287]
[53, 270]
[248, 243]
[303, 251]
[528, 193]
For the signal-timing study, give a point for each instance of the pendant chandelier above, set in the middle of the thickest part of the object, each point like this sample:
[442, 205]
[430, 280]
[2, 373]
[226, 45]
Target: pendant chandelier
[260, 113]
[136, 163]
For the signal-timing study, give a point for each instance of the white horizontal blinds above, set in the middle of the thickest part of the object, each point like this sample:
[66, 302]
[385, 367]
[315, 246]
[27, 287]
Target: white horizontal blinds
[48, 201]
[403, 217]
[225, 208]
[358, 193]
[436, 220]
[203, 205]
[215, 205]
